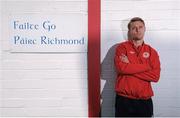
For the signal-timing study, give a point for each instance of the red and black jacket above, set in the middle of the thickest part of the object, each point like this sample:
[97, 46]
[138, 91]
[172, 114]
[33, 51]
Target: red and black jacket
[134, 78]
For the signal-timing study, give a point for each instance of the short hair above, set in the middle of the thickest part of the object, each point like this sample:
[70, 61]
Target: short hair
[134, 20]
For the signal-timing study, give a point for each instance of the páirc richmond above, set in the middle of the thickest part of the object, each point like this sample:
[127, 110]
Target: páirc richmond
[44, 40]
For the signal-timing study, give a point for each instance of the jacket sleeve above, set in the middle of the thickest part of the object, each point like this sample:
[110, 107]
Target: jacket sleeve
[154, 74]
[127, 68]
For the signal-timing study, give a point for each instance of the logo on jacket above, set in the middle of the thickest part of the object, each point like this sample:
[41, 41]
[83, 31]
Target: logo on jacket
[146, 54]
[131, 52]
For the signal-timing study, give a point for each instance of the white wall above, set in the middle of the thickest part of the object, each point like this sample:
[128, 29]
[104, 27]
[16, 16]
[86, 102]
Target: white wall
[43, 84]
[162, 19]
[0, 51]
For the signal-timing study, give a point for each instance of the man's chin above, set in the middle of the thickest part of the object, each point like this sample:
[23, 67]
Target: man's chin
[137, 39]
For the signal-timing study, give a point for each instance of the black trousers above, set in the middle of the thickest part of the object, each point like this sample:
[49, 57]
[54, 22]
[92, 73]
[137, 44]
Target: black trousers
[126, 107]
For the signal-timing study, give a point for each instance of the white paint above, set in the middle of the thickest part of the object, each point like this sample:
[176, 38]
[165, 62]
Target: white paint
[69, 17]
[0, 48]
[44, 84]
[162, 20]
[48, 33]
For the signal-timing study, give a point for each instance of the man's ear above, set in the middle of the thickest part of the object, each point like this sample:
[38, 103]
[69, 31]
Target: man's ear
[128, 34]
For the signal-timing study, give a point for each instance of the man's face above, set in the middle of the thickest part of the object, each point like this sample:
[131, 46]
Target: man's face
[137, 30]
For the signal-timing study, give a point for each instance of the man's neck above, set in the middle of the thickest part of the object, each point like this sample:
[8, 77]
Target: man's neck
[138, 42]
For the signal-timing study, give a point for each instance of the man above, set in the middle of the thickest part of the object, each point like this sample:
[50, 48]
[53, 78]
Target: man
[137, 66]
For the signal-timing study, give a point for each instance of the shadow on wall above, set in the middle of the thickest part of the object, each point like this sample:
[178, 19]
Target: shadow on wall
[108, 74]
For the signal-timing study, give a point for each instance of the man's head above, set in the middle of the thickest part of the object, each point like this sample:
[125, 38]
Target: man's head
[136, 29]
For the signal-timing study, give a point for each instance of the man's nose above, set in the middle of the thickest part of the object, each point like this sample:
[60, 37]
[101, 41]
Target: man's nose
[137, 29]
